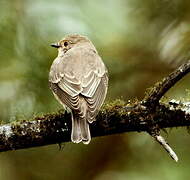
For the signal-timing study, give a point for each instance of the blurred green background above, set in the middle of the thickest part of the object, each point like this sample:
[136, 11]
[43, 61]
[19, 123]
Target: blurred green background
[140, 42]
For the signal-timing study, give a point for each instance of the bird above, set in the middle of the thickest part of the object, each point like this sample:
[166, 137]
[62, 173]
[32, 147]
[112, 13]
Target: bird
[78, 79]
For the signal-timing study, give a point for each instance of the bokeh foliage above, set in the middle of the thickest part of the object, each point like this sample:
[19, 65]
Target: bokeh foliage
[139, 41]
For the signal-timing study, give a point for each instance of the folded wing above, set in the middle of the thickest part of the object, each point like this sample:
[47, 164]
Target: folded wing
[90, 83]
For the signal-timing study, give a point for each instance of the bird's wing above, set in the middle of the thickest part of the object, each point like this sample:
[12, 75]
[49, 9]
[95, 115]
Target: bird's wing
[64, 98]
[70, 84]
[61, 73]
[65, 86]
[90, 83]
[96, 100]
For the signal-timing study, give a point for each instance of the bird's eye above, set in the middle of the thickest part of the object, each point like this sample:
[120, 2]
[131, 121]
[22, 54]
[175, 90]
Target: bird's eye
[66, 43]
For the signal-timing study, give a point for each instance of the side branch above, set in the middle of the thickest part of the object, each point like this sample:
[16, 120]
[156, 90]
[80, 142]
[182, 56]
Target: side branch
[162, 87]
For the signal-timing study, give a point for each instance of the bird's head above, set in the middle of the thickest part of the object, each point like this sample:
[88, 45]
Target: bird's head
[69, 42]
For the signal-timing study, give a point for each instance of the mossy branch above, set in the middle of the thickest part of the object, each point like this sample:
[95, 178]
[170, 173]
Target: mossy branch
[116, 117]
[148, 115]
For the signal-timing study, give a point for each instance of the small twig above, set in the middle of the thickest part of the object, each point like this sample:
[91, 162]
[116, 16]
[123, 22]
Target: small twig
[161, 88]
[166, 146]
[155, 133]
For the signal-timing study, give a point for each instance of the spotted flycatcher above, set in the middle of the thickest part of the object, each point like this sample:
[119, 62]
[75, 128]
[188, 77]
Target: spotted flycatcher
[78, 79]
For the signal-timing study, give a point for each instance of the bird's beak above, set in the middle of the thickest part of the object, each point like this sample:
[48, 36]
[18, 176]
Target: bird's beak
[55, 45]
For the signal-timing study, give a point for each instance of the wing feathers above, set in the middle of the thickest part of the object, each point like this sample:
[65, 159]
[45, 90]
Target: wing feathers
[73, 87]
[97, 90]
[64, 98]
[95, 102]
[70, 87]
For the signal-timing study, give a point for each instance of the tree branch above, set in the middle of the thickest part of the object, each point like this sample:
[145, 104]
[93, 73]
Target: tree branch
[158, 91]
[116, 117]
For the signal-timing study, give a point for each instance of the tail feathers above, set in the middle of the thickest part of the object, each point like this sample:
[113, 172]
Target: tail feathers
[85, 131]
[80, 130]
[91, 117]
[76, 133]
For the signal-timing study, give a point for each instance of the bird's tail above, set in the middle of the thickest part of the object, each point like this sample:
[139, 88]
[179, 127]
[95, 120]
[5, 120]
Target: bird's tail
[80, 126]
[80, 130]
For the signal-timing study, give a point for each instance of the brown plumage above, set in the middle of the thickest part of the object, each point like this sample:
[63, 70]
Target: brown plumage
[78, 79]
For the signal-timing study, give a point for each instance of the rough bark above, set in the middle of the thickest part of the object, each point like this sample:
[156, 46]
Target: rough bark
[114, 118]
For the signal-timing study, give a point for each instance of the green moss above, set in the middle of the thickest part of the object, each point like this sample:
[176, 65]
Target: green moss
[149, 91]
[113, 104]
